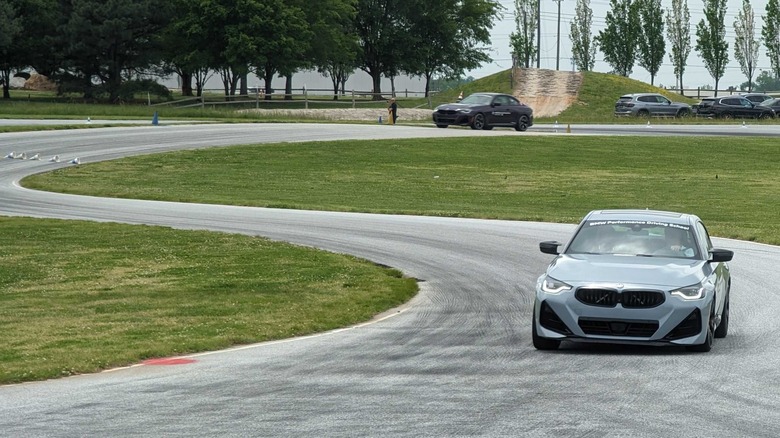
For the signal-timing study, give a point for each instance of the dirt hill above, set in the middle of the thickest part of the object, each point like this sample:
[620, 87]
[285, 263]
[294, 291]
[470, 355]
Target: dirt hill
[548, 92]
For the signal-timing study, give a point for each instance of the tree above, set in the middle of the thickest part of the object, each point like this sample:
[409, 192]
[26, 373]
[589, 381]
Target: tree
[446, 37]
[771, 34]
[711, 39]
[745, 44]
[765, 81]
[110, 40]
[10, 29]
[618, 41]
[678, 20]
[334, 44]
[583, 47]
[522, 40]
[651, 47]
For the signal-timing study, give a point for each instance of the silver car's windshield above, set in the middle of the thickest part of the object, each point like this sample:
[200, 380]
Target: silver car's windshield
[635, 238]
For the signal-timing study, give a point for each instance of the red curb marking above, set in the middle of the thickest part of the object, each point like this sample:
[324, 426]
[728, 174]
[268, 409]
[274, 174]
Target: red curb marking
[169, 361]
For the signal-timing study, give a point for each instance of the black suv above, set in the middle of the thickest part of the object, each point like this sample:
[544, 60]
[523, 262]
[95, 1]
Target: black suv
[732, 107]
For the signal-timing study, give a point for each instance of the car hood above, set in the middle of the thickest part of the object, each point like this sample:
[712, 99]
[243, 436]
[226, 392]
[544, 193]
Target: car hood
[628, 270]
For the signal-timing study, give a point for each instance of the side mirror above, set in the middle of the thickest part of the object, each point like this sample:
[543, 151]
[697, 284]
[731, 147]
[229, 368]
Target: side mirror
[721, 255]
[549, 247]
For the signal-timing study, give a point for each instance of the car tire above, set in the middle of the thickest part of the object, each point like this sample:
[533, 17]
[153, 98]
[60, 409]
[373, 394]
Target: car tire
[522, 123]
[441, 126]
[541, 343]
[727, 116]
[643, 114]
[479, 122]
[683, 113]
[707, 345]
[764, 116]
[723, 327]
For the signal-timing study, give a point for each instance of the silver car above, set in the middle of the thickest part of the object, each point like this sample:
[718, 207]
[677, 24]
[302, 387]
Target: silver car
[634, 277]
[650, 104]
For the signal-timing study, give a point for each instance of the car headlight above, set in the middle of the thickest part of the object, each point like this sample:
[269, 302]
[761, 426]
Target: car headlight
[693, 292]
[552, 286]
[464, 110]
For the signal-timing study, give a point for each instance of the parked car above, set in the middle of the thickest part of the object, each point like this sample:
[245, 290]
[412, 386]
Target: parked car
[634, 277]
[773, 103]
[650, 104]
[756, 97]
[485, 111]
[730, 107]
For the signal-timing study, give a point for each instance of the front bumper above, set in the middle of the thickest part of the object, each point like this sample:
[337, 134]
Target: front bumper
[673, 322]
[452, 118]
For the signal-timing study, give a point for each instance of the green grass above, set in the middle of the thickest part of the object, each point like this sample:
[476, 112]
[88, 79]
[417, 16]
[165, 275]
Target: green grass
[520, 177]
[78, 297]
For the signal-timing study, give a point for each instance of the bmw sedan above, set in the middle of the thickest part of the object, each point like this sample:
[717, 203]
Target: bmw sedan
[634, 277]
[485, 111]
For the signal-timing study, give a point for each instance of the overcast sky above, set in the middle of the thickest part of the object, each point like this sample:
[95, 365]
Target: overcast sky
[695, 74]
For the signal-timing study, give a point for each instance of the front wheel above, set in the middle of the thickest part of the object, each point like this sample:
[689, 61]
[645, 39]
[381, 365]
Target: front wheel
[723, 327]
[521, 124]
[707, 345]
[683, 113]
[643, 114]
[479, 122]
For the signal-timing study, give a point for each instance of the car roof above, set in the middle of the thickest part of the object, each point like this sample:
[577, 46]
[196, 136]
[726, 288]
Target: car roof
[641, 215]
[641, 94]
[487, 93]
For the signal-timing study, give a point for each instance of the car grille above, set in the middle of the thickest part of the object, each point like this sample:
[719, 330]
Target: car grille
[605, 327]
[635, 299]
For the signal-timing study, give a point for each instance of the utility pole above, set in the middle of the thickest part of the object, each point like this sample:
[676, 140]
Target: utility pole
[558, 42]
[538, 31]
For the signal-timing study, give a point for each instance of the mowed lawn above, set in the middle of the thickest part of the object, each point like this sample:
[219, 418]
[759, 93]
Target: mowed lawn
[731, 183]
[78, 297]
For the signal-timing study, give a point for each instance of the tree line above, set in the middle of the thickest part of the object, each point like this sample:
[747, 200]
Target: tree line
[113, 48]
[634, 34]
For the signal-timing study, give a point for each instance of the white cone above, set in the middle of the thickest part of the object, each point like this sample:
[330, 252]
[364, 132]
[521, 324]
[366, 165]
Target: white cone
[11, 155]
[55, 159]
[75, 161]
[35, 157]
[22, 156]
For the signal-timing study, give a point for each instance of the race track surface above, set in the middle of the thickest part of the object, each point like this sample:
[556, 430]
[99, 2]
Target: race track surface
[456, 361]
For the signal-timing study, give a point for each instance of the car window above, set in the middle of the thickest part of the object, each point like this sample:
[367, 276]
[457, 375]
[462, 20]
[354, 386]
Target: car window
[512, 101]
[477, 99]
[500, 100]
[730, 101]
[663, 100]
[625, 99]
[705, 236]
[650, 99]
[635, 238]
[746, 103]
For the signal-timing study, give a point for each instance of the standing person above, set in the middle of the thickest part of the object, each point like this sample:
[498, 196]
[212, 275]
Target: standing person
[392, 111]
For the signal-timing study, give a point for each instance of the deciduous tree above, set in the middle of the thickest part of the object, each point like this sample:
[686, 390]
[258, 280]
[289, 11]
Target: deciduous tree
[745, 44]
[522, 40]
[652, 46]
[771, 34]
[618, 41]
[711, 39]
[583, 46]
[678, 23]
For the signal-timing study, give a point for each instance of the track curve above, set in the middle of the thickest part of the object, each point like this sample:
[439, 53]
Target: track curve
[457, 361]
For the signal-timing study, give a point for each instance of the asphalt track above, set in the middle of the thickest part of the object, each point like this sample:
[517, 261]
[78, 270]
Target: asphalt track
[456, 361]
